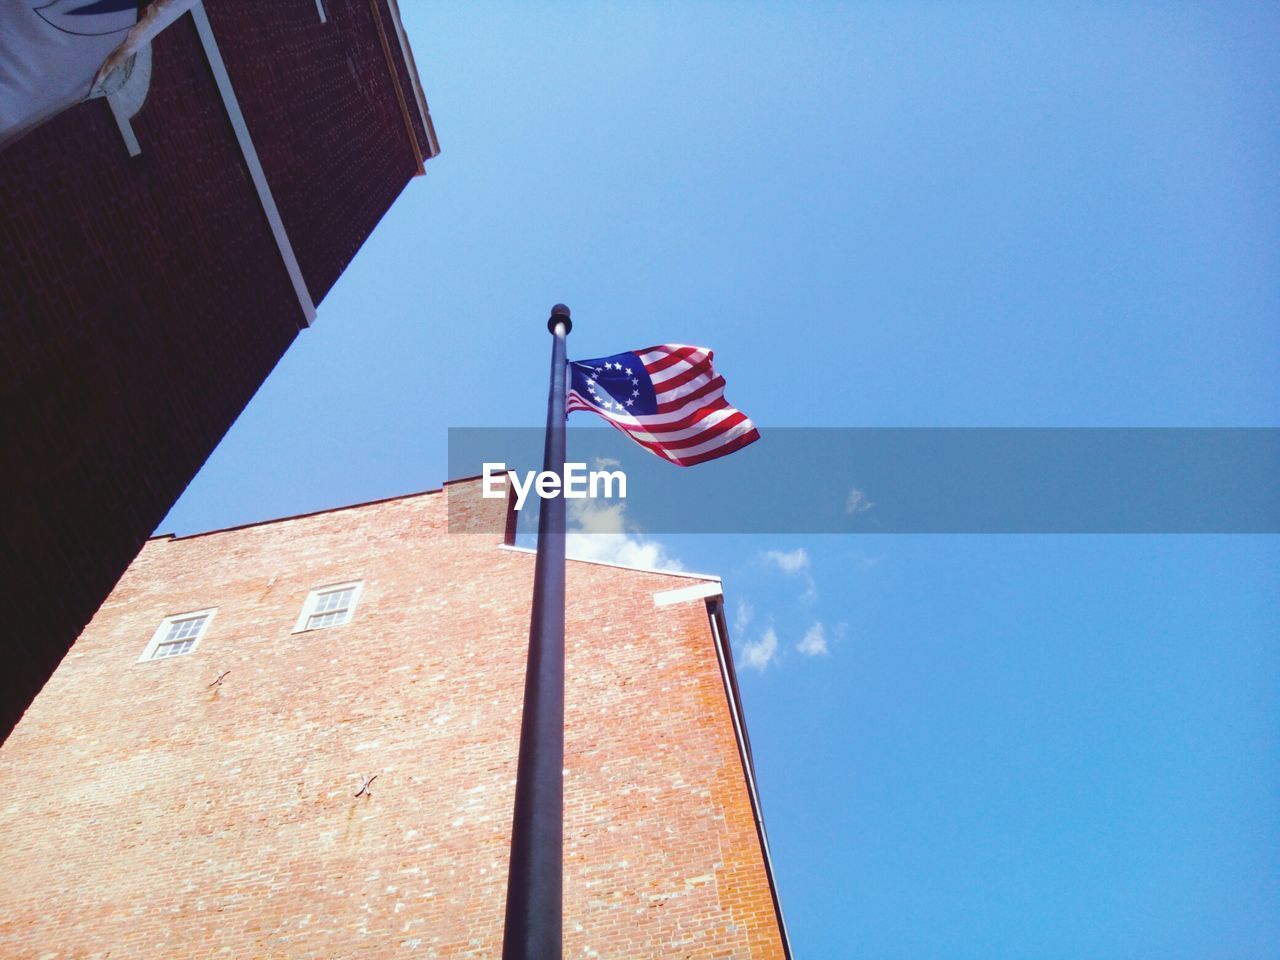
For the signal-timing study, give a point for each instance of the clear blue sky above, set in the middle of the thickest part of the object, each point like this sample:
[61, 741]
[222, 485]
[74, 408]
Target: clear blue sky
[878, 215]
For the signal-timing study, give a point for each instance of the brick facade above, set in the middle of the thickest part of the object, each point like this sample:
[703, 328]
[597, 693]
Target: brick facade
[150, 814]
[143, 300]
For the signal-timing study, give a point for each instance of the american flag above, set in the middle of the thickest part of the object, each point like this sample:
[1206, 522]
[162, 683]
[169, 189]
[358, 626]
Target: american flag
[667, 398]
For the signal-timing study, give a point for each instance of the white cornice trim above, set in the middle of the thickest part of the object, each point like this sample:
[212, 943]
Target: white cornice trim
[433, 145]
[724, 654]
[699, 591]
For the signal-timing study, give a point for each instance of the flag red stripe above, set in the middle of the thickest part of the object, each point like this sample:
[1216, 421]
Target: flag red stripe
[684, 353]
[682, 377]
[728, 423]
[693, 422]
[682, 419]
[695, 439]
[649, 354]
[736, 444]
[684, 409]
[671, 433]
[716, 383]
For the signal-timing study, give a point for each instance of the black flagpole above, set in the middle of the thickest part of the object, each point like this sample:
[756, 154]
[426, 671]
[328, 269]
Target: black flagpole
[534, 880]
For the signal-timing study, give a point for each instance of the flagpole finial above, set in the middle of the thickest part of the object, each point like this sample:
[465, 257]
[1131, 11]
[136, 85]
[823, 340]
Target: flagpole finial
[559, 314]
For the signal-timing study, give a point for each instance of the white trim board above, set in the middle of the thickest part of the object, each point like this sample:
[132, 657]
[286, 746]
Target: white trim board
[256, 173]
[433, 145]
[148, 652]
[699, 591]
[309, 605]
[724, 654]
[126, 128]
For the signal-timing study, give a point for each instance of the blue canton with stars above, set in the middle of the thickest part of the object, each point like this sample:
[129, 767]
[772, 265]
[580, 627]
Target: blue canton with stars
[618, 384]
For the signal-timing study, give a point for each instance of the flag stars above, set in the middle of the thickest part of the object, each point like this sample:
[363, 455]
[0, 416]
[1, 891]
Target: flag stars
[616, 396]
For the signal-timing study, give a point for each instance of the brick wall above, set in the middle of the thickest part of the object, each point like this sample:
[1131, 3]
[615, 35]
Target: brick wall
[338, 149]
[143, 300]
[151, 815]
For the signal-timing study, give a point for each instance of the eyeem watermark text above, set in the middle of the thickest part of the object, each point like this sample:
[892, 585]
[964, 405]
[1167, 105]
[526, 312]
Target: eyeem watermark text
[579, 483]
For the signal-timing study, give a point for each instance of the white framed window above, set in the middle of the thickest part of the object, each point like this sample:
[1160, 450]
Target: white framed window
[178, 634]
[329, 606]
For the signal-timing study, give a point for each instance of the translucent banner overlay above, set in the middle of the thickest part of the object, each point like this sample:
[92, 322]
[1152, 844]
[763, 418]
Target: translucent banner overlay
[917, 480]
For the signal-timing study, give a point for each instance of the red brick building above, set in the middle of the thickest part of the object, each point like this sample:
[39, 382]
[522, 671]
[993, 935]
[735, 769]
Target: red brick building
[160, 248]
[187, 783]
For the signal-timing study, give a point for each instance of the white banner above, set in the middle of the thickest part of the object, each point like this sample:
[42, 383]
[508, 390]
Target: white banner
[50, 53]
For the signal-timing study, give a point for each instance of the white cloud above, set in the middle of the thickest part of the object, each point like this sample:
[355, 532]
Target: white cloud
[603, 463]
[742, 617]
[795, 562]
[814, 643]
[857, 502]
[760, 653]
[589, 516]
[598, 531]
[792, 561]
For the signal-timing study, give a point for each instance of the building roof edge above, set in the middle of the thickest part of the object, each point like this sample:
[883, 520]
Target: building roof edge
[424, 111]
[729, 675]
[624, 566]
[304, 514]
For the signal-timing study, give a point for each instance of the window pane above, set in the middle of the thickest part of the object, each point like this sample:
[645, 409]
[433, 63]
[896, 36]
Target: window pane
[326, 619]
[180, 629]
[173, 649]
[337, 600]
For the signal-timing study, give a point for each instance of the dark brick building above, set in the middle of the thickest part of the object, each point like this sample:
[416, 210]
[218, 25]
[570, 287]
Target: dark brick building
[194, 781]
[159, 250]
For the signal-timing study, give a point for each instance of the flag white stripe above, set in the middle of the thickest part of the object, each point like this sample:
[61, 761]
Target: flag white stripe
[676, 393]
[688, 433]
[673, 371]
[693, 449]
[746, 426]
[700, 425]
[654, 420]
[663, 350]
[695, 442]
